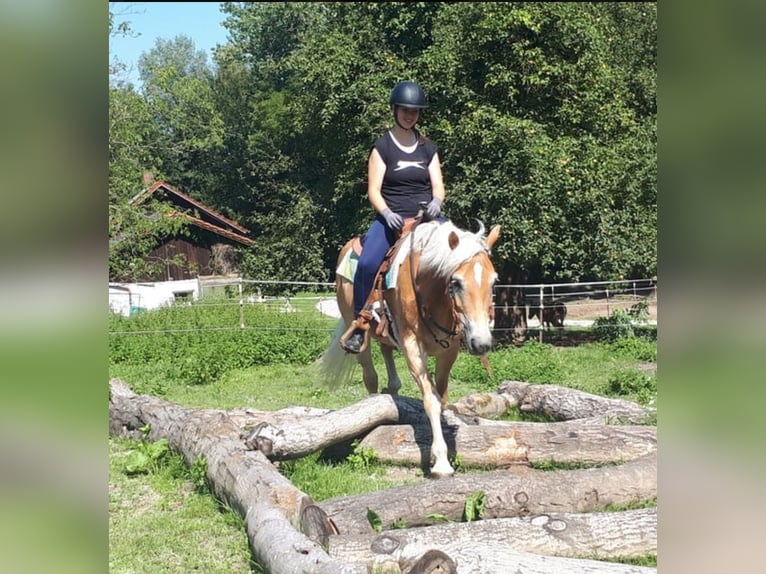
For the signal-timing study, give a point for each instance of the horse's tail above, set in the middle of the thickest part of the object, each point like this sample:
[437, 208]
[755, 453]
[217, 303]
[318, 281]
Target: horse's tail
[336, 365]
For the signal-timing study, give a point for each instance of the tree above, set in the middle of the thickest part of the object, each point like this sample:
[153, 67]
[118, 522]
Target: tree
[177, 86]
[544, 117]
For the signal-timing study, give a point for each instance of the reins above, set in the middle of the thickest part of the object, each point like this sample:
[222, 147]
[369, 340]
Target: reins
[429, 320]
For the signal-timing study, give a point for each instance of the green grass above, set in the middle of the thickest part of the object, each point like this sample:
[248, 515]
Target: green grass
[159, 521]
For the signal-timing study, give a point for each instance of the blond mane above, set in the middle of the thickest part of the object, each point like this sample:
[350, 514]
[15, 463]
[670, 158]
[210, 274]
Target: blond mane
[436, 256]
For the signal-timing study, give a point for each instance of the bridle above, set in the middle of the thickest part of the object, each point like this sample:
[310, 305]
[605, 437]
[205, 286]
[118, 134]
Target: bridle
[423, 313]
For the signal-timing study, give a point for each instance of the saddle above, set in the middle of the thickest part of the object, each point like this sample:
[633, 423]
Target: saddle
[373, 311]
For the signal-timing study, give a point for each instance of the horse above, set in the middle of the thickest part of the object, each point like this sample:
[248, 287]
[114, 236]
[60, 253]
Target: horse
[440, 298]
[554, 313]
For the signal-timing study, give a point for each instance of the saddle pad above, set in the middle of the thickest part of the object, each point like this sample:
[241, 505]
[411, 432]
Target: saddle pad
[347, 266]
[393, 271]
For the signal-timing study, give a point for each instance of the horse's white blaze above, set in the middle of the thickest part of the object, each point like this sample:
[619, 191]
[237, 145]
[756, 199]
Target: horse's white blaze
[478, 271]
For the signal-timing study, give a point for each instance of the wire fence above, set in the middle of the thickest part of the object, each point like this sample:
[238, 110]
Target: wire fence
[519, 310]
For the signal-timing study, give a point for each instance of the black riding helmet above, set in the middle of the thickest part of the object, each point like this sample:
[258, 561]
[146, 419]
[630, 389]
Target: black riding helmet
[407, 95]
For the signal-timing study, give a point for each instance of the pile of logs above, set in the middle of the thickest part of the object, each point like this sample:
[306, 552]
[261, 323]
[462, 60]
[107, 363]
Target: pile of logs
[534, 521]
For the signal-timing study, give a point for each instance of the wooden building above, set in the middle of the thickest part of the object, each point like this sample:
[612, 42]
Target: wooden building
[211, 245]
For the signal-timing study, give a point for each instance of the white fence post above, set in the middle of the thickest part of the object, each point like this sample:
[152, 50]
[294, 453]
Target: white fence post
[241, 306]
[540, 316]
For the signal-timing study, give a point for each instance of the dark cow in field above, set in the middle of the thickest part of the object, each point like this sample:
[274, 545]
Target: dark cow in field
[554, 313]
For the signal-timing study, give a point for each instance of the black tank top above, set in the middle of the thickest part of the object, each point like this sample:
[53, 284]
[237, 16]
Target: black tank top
[406, 182]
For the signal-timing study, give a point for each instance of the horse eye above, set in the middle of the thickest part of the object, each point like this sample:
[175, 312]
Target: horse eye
[455, 284]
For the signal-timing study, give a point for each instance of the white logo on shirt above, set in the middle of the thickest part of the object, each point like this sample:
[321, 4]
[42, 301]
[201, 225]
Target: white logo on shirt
[403, 164]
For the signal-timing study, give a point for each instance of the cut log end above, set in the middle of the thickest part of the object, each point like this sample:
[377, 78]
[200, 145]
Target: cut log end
[432, 562]
[317, 526]
[255, 439]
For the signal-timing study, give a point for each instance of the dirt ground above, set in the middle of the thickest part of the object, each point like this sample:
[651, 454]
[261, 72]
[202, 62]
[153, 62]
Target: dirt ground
[580, 313]
[591, 308]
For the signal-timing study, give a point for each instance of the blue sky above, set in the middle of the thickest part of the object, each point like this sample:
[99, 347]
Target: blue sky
[200, 21]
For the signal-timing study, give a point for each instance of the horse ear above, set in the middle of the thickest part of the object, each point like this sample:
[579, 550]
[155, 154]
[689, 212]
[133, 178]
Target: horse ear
[453, 240]
[493, 235]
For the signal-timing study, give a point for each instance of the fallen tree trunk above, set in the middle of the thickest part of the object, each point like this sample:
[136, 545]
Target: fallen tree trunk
[518, 491]
[270, 504]
[562, 403]
[494, 558]
[245, 418]
[508, 443]
[410, 411]
[630, 533]
[285, 442]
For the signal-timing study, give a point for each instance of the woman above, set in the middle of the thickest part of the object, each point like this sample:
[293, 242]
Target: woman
[403, 170]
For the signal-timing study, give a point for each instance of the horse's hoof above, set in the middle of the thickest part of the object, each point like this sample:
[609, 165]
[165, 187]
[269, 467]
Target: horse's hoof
[442, 473]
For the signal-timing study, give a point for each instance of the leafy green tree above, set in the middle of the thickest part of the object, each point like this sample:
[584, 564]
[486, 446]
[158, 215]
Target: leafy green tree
[133, 230]
[544, 117]
[177, 86]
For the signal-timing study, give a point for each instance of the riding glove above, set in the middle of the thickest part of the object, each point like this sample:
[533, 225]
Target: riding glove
[393, 220]
[434, 208]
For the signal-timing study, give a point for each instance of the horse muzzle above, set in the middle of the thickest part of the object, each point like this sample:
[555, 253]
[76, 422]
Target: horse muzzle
[478, 344]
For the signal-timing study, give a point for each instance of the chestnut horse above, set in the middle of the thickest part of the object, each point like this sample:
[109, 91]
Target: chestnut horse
[441, 297]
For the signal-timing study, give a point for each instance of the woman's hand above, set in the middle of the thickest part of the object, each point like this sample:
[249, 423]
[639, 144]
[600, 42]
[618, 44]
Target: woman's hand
[434, 208]
[393, 220]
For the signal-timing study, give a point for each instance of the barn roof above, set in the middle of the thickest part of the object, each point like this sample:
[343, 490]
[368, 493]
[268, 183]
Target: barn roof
[186, 205]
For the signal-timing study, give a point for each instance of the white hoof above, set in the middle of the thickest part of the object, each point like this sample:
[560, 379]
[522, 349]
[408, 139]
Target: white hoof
[442, 471]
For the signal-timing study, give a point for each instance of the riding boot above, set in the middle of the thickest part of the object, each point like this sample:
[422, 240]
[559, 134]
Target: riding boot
[356, 341]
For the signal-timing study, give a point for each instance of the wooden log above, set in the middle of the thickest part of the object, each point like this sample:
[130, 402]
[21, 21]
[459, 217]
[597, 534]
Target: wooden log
[245, 418]
[516, 491]
[410, 412]
[510, 443]
[484, 404]
[561, 403]
[495, 558]
[270, 504]
[602, 535]
[285, 442]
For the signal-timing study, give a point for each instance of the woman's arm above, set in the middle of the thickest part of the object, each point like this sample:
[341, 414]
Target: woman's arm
[376, 169]
[435, 173]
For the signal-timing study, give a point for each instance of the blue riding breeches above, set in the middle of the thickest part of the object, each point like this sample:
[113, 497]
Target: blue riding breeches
[377, 242]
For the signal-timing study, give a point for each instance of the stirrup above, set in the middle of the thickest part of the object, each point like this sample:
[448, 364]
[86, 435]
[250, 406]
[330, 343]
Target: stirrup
[362, 324]
[354, 343]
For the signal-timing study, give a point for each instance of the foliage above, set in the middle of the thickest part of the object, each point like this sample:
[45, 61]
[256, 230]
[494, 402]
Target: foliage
[475, 504]
[544, 114]
[619, 325]
[374, 519]
[634, 385]
[639, 348]
[205, 339]
[361, 458]
[534, 362]
[135, 230]
[147, 457]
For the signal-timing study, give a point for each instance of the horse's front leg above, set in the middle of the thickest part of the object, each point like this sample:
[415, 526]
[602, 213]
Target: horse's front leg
[444, 364]
[417, 361]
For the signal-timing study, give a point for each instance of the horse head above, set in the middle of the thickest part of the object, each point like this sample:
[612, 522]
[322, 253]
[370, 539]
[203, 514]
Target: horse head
[471, 286]
[466, 267]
